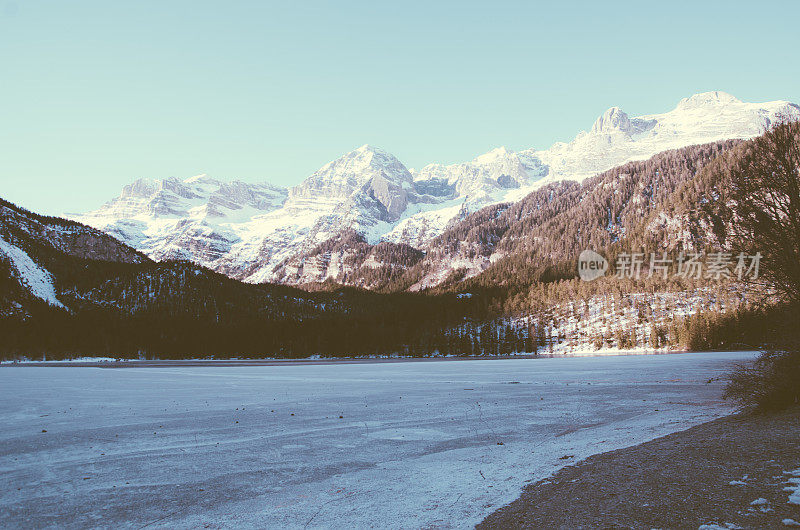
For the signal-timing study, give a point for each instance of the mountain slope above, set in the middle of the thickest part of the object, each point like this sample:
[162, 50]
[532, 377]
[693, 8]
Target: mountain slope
[68, 289]
[665, 203]
[660, 204]
[259, 233]
[36, 280]
[193, 219]
[31, 244]
[504, 280]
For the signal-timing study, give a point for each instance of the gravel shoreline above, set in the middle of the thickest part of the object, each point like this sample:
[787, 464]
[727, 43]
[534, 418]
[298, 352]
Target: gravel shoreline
[730, 472]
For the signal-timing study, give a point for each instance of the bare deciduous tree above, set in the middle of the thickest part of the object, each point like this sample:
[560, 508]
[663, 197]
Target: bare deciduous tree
[765, 186]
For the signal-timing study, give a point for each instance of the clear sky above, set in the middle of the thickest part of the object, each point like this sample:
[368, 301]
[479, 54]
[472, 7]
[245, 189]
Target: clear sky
[94, 94]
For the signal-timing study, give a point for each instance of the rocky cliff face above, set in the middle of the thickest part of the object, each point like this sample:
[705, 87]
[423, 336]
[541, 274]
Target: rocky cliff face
[367, 170]
[253, 232]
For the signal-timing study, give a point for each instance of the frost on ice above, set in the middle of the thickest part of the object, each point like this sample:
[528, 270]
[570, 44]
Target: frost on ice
[400, 445]
[794, 487]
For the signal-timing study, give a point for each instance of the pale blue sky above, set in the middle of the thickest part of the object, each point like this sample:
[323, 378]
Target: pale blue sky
[94, 94]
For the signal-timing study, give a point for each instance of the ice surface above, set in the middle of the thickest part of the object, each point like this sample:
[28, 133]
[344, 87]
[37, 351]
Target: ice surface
[409, 445]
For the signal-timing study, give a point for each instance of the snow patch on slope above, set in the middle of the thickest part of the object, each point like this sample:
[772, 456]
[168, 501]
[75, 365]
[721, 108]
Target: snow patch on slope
[37, 280]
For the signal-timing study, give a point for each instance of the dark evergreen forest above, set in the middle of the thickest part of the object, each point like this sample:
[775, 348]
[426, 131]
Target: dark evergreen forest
[122, 304]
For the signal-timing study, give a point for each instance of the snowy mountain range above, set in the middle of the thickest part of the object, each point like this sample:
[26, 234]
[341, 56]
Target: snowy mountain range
[252, 231]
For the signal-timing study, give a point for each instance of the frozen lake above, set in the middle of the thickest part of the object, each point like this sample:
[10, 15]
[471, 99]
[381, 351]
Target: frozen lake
[388, 445]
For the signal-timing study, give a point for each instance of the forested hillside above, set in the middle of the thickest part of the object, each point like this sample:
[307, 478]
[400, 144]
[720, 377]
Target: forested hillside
[501, 280]
[69, 290]
[664, 203]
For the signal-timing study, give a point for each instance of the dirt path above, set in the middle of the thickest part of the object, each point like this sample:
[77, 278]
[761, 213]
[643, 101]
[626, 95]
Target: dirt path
[709, 474]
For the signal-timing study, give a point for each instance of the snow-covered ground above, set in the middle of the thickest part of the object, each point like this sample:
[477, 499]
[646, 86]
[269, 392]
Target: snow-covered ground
[579, 327]
[386, 444]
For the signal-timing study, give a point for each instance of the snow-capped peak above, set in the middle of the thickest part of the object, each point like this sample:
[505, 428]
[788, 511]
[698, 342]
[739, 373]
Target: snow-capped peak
[351, 171]
[701, 118]
[493, 155]
[707, 99]
[202, 178]
[373, 155]
[368, 148]
[614, 119]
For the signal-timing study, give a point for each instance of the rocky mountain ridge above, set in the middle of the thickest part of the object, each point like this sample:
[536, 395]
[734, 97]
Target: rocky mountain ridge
[261, 233]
